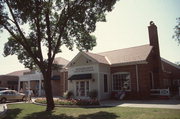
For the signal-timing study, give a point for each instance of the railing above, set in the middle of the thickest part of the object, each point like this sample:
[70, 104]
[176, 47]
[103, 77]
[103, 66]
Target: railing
[160, 92]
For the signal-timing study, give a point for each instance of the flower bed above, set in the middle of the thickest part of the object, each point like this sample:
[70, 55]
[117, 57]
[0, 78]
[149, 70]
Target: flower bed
[69, 101]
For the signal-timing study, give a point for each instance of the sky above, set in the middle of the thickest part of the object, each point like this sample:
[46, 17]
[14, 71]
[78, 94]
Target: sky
[126, 26]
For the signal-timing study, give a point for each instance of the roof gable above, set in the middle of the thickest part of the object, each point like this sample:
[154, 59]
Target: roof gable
[61, 61]
[99, 58]
[91, 56]
[133, 55]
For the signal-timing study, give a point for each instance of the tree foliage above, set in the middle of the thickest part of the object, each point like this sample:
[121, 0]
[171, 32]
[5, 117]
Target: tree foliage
[176, 35]
[34, 24]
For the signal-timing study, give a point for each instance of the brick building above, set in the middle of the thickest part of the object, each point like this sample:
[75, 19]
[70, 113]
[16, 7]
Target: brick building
[35, 81]
[7, 81]
[23, 79]
[137, 70]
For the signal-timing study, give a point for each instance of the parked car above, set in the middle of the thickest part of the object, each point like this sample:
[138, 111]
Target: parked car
[3, 88]
[11, 95]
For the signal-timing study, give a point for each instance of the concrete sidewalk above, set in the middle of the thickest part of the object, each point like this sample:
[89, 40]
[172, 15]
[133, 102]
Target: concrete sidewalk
[3, 109]
[168, 104]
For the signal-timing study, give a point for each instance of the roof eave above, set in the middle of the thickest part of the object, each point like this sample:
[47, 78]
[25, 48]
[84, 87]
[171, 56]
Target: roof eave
[130, 63]
[170, 63]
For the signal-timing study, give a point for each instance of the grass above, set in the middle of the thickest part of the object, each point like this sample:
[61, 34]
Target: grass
[32, 111]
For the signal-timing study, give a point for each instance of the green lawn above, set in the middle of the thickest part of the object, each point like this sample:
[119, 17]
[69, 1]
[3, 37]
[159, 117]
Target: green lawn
[32, 111]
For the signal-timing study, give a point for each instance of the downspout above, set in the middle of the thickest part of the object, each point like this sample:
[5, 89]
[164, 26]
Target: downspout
[137, 78]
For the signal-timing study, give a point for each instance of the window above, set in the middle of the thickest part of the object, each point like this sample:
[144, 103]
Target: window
[82, 88]
[176, 83]
[105, 83]
[77, 88]
[121, 81]
[167, 83]
[87, 88]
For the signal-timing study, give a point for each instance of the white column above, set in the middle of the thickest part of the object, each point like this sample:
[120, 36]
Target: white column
[19, 84]
[99, 88]
[39, 91]
[29, 84]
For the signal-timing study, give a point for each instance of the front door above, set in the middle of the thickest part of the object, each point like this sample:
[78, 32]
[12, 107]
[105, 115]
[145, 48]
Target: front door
[82, 88]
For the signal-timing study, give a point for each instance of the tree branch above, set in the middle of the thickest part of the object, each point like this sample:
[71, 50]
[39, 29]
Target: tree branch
[20, 42]
[25, 44]
[50, 59]
[38, 33]
[17, 25]
[69, 14]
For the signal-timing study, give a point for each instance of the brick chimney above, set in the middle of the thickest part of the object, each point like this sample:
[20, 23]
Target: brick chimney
[153, 37]
[156, 59]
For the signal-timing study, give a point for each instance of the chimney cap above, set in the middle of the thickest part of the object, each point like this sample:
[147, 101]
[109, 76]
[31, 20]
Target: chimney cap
[152, 23]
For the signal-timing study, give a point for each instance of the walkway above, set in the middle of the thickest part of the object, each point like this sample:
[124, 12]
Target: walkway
[169, 104]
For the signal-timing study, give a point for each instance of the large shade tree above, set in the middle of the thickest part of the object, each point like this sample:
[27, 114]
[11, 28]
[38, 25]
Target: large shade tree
[35, 24]
[176, 35]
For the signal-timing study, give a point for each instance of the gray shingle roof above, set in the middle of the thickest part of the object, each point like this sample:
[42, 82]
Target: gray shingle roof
[121, 56]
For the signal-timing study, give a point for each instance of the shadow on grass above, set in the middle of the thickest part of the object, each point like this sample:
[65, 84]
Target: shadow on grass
[12, 113]
[49, 115]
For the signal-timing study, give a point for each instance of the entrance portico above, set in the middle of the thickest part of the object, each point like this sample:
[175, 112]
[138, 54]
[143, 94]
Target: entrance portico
[86, 74]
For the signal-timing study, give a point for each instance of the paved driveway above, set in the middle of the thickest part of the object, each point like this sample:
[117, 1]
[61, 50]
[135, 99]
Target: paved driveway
[169, 104]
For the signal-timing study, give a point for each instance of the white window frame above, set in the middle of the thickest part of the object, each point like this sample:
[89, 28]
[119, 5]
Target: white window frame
[107, 83]
[119, 73]
[85, 81]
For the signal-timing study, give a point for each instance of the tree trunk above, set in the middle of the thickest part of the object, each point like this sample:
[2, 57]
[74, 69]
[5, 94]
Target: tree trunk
[48, 90]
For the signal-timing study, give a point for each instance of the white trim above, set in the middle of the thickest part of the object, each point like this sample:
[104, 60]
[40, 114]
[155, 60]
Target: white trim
[121, 73]
[79, 55]
[107, 60]
[18, 85]
[74, 59]
[107, 83]
[40, 89]
[85, 88]
[137, 77]
[129, 63]
[99, 89]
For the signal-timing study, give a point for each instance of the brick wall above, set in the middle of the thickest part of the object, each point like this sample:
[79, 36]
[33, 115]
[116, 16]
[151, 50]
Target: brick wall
[144, 81]
[10, 82]
[59, 86]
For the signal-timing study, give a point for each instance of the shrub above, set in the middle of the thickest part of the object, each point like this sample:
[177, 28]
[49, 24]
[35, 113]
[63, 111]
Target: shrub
[69, 102]
[93, 94]
[68, 95]
[41, 100]
[87, 102]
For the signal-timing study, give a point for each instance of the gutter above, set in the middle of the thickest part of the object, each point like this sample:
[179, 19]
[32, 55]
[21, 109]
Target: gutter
[129, 63]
